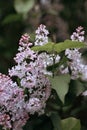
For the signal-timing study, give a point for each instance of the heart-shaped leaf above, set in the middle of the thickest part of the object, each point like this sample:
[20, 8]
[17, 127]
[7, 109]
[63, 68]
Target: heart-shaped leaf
[71, 124]
[23, 6]
[61, 85]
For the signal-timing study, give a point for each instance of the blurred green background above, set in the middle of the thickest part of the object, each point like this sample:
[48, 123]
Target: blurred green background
[20, 16]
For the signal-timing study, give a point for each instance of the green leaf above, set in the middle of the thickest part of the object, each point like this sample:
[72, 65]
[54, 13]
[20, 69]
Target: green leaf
[23, 6]
[68, 44]
[59, 47]
[71, 124]
[76, 87]
[12, 18]
[47, 47]
[61, 85]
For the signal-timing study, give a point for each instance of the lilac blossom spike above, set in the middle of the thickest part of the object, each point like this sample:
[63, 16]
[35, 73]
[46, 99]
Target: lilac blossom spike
[77, 66]
[29, 69]
[78, 35]
[41, 35]
[42, 39]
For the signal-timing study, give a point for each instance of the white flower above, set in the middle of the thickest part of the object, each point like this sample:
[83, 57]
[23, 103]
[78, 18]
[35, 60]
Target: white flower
[76, 64]
[78, 35]
[41, 35]
[35, 105]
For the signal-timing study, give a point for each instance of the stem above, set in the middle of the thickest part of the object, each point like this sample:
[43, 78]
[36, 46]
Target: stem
[53, 65]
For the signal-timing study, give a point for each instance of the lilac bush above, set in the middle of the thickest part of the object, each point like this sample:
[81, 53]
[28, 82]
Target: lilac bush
[27, 88]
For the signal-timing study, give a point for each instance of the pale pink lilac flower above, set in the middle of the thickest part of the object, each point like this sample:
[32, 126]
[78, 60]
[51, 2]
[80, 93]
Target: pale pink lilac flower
[78, 35]
[15, 104]
[29, 70]
[73, 54]
[12, 105]
[41, 35]
[63, 69]
[19, 70]
[77, 66]
[24, 50]
[42, 39]
[5, 121]
[35, 105]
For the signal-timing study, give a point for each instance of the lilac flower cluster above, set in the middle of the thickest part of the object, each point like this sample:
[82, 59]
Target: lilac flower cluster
[76, 63]
[29, 70]
[41, 39]
[78, 35]
[30, 91]
[41, 35]
[12, 106]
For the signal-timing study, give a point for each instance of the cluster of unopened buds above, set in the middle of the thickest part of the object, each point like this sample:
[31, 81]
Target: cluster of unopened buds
[31, 89]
